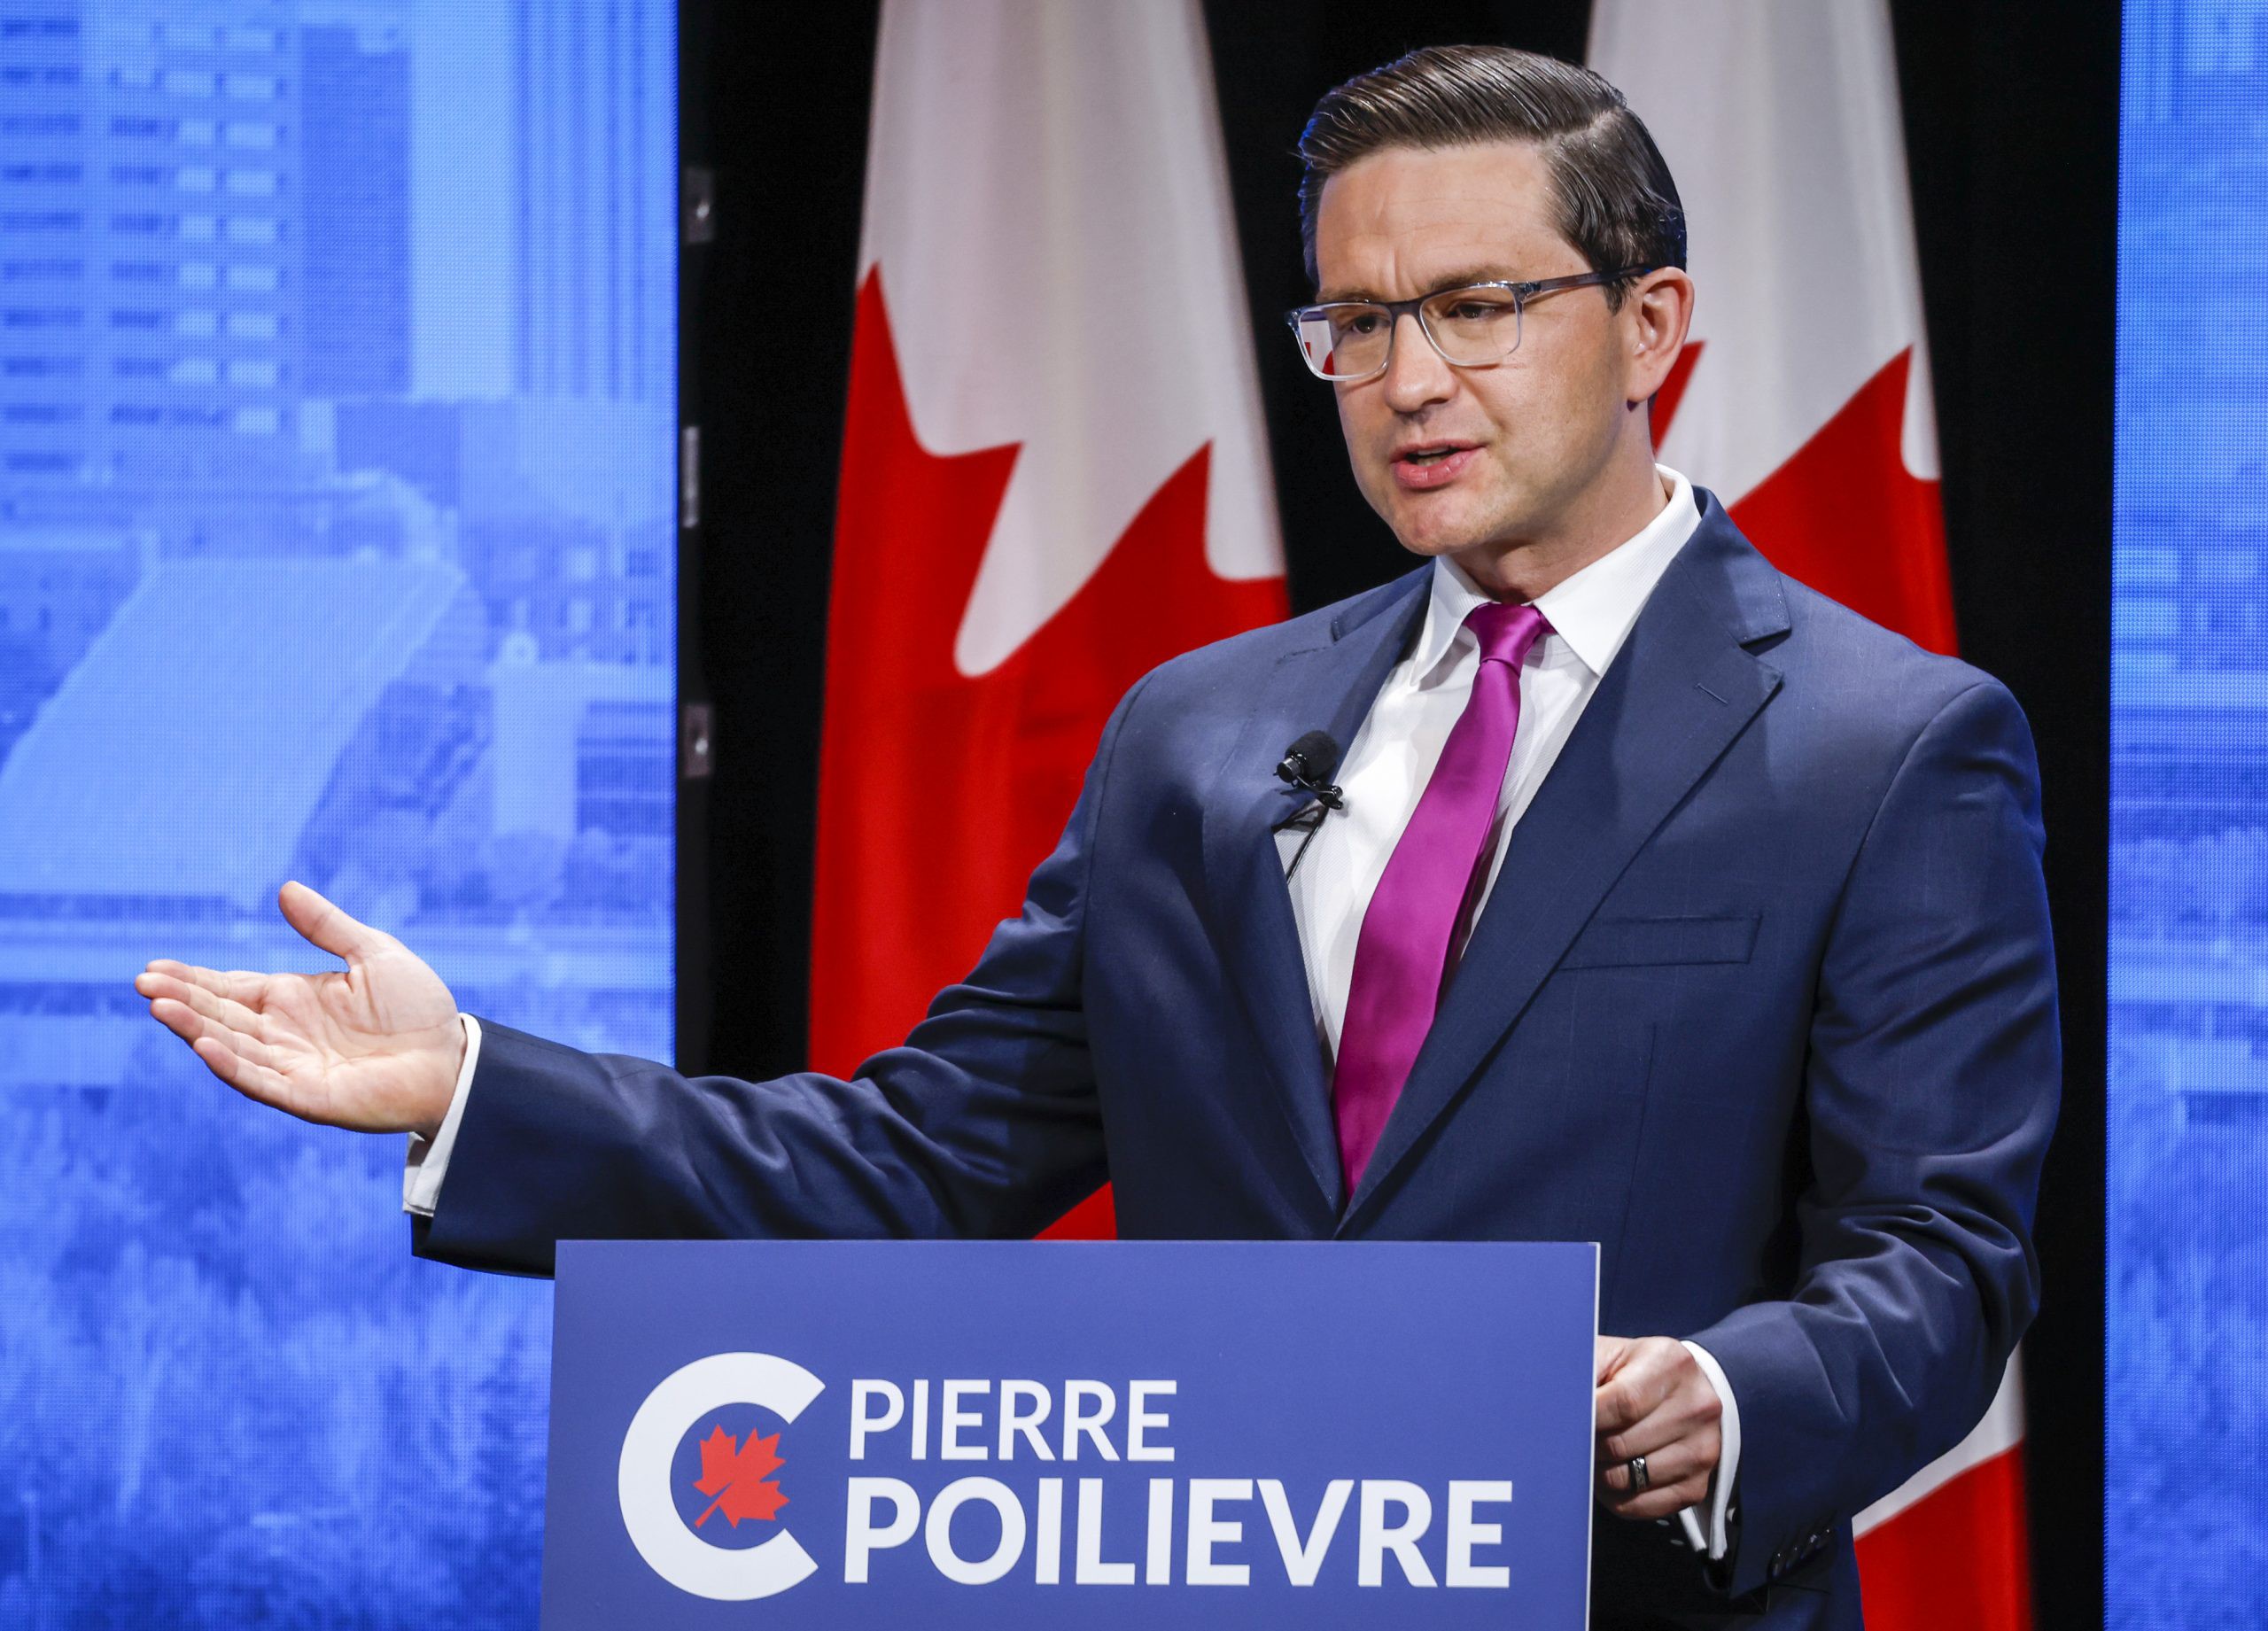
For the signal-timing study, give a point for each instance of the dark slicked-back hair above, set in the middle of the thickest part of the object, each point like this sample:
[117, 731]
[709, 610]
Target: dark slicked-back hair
[1617, 203]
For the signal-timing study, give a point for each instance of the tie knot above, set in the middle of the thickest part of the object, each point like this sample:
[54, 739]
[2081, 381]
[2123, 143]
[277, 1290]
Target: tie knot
[1505, 633]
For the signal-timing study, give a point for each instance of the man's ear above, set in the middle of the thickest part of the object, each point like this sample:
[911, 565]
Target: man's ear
[1657, 311]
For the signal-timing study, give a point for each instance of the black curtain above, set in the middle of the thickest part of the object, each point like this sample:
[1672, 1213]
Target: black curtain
[2010, 114]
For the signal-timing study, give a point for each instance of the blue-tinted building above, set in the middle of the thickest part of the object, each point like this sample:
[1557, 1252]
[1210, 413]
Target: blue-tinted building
[2188, 1307]
[338, 432]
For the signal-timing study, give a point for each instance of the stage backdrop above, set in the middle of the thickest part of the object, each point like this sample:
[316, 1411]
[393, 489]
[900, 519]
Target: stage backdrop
[337, 377]
[2186, 1535]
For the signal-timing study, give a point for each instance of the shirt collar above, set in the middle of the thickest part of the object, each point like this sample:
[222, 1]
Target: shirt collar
[1591, 612]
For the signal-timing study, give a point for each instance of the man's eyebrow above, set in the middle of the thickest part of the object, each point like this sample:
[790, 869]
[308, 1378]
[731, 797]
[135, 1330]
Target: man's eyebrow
[1460, 277]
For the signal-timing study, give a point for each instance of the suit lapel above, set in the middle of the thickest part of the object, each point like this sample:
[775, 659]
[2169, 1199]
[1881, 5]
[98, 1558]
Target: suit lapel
[1682, 687]
[1328, 685]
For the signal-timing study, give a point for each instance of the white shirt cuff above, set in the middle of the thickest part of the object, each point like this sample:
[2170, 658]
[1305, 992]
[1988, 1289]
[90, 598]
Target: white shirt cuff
[429, 1159]
[1706, 1533]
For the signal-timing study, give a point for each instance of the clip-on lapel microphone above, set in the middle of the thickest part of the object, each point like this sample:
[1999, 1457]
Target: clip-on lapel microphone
[1308, 764]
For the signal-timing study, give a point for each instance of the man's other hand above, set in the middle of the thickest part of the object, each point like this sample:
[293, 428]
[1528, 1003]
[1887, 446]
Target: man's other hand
[1652, 1398]
[376, 1047]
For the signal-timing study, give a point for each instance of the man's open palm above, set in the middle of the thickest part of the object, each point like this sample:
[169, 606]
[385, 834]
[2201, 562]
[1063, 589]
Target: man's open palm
[376, 1047]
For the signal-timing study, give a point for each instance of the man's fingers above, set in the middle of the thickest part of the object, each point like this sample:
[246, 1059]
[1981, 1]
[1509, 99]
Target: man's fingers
[1653, 1373]
[1607, 1356]
[227, 1011]
[1660, 1500]
[192, 1027]
[1677, 1476]
[236, 984]
[1674, 1459]
[1631, 1395]
[179, 1018]
[255, 1082]
[328, 927]
[1685, 1414]
[242, 1063]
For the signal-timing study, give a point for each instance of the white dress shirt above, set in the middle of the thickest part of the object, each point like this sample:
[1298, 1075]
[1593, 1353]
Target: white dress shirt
[1383, 772]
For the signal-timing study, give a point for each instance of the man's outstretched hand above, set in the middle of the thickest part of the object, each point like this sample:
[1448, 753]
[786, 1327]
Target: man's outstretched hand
[376, 1047]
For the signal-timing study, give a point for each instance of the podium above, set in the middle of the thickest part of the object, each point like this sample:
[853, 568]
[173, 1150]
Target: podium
[1070, 1434]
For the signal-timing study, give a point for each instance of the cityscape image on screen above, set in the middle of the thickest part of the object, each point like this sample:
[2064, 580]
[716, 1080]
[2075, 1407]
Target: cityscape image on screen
[2186, 1311]
[337, 430]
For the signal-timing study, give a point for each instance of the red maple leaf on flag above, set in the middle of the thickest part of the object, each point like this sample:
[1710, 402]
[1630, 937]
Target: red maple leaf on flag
[735, 1472]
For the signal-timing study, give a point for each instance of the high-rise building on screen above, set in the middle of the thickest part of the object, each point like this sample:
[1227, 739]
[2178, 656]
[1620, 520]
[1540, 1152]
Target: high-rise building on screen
[337, 431]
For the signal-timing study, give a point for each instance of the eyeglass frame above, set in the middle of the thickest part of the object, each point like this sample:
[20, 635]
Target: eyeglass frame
[1521, 293]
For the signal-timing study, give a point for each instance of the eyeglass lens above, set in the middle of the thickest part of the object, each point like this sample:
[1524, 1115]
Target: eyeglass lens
[1471, 327]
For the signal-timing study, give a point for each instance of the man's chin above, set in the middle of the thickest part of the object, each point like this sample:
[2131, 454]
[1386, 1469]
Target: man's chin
[1430, 530]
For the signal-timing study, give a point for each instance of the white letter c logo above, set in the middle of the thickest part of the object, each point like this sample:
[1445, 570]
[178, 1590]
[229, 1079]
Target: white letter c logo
[650, 1511]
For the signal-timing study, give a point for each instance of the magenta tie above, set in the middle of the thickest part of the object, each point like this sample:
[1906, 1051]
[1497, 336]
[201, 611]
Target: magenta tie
[1402, 956]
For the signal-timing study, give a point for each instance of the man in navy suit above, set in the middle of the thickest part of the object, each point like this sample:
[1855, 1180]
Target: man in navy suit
[1661, 903]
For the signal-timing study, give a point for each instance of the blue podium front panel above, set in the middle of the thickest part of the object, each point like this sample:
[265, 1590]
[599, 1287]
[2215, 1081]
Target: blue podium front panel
[801, 1434]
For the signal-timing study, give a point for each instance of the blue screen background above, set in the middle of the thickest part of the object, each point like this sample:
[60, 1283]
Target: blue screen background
[2187, 1537]
[337, 363]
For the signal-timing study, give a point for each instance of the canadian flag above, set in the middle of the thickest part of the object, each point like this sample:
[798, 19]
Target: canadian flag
[1055, 469]
[1802, 399]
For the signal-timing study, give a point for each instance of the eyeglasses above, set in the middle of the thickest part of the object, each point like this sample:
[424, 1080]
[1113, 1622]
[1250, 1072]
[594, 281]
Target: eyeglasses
[1475, 326]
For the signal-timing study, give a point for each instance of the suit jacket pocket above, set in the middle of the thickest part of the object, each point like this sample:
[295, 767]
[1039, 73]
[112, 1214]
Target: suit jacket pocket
[1625, 943]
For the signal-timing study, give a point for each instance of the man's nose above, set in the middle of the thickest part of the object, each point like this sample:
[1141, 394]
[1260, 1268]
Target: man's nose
[1416, 374]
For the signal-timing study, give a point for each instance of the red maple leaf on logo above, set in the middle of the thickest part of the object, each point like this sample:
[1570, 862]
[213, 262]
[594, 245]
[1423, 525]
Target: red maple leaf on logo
[735, 1473]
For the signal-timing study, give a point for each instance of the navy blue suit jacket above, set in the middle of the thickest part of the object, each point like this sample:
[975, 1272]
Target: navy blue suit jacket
[1763, 1002]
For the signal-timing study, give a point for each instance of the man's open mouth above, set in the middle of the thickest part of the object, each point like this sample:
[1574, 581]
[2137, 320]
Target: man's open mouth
[1433, 454]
